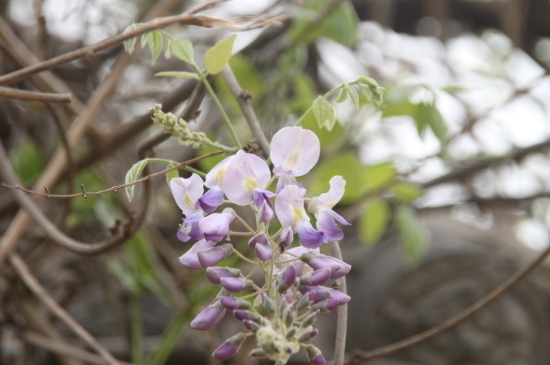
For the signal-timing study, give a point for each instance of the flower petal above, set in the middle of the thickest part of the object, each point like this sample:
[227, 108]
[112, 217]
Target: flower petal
[295, 149]
[329, 199]
[186, 192]
[190, 258]
[212, 199]
[216, 225]
[209, 317]
[289, 206]
[215, 176]
[308, 236]
[211, 256]
[246, 173]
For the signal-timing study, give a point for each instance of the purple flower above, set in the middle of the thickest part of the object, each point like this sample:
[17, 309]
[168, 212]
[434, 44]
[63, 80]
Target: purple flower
[321, 208]
[260, 244]
[215, 176]
[230, 347]
[317, 277]
[225, 351]
[289, 207]
[245, 174]
[186, 192]
[211, 256]
[287, 236]
[190, 228]
[214, 274]
[212, 199]
[336, 298]
[190, 258]
[216, 225]
[337, 267]
[235, 285]
[295, 150]
[208, 317]
[320, 292]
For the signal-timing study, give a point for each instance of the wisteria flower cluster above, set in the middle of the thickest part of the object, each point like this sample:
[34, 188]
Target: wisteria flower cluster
[282, 312]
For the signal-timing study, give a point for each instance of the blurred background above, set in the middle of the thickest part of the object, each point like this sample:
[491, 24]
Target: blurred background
[447, 179]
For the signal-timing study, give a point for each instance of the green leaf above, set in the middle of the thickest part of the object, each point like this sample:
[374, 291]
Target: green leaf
[342, 96]
[133, 175]
[371, 90]
[155, 44]
[324, 113]
[428, 115]
[27, 160]
[347, 165]
[374, 220]
[218, 56]
[130, 44]
[376, 177]
[184, 74]
[352, 93]
[414, 235]
[406, 191]
[182, 49]
[172, 174]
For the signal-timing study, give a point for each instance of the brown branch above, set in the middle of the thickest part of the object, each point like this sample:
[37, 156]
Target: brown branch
[57, 164]
[10, 93]
[62, 348]
[42, 294]
[246, 108]
[456, 320]
[114, 189]
[155, 24]
[465, 171]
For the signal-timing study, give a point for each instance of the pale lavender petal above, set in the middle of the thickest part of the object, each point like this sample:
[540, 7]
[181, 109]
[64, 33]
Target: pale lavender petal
[289, 206]
[212, 199]
[208, 318]
[321, 293]
[263, 251]
[216, 225]
[308, 236]
[295, 149]
[327, 225]
[190, 228]
[186, 192]
[317, 262]
[329, 199]
[214, 274]
[211, 256]
[235, 285]
[266, 213]
[287, 236]
[317, 277]
[215, 176]
[246, 173]
[259, 238]
[336, 298]
[190, 258]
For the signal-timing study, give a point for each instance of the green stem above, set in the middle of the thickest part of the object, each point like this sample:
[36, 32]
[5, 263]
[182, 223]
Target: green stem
[136, 329]
[214, 97]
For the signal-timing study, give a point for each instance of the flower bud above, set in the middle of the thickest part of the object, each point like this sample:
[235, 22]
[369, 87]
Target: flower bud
[209, 317]
[321, 293]
[315, 278]
[337, 298]
[322, 305]
[234, 303]
[257, 353]
[291, 332]
[252, 326]
[287, 236]
[288, 276]
[337, 267]
[212, 256]
[268, 303]
[235, 285]
[307, 334]
[305, 301]
[230, 347]
[247, 315]
[216, 225]
[310, 319]
[214, 274]
[314, 355]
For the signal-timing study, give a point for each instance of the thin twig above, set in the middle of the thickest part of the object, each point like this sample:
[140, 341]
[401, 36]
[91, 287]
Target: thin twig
[342, 315]
[112, 188]
[459, 318]
[10, 93]
[246, 108]
[42, 294]
[155, 24]
[63, 349]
